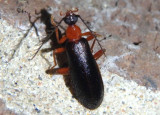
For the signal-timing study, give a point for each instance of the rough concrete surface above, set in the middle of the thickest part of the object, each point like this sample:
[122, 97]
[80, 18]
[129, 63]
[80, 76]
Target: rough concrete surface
[130, 69]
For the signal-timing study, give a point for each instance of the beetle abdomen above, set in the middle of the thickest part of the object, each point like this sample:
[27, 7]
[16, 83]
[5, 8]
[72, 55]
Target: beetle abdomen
[85, 75]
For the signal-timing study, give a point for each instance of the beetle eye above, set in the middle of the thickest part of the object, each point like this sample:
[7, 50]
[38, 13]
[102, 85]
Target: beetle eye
[68, 20]
[71, 19]
[75, 18]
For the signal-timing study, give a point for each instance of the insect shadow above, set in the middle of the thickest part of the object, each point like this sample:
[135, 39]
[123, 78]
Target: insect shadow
[61, 59]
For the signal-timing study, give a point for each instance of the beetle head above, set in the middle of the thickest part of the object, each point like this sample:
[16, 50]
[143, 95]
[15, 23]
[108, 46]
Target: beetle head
[70, 17]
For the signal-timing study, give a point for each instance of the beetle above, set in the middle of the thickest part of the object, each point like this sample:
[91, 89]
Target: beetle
[85, 75]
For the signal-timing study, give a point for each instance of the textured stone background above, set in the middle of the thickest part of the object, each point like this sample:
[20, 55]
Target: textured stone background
[133, 49]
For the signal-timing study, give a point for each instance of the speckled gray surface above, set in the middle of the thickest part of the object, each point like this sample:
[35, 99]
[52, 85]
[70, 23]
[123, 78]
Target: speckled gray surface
[27, 89]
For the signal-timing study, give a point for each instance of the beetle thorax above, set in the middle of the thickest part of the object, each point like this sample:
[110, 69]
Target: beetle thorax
[73, 33]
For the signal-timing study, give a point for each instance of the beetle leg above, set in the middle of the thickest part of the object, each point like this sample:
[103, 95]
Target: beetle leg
[56, 28]
[86, 34]
[62, 71]
[90, 38]
[90, 35]
[98, 54]
[52, 21]
[46, 50]
[93, 45]
[61, 40]
[56, 51]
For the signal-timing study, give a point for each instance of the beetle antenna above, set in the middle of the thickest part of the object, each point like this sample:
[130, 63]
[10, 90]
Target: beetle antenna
[46, 39]
[43, 42]
[58, 24]
[37, 51]
[92, 34]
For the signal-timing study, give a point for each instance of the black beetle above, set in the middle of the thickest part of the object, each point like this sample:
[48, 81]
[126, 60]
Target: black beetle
[85, 75]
